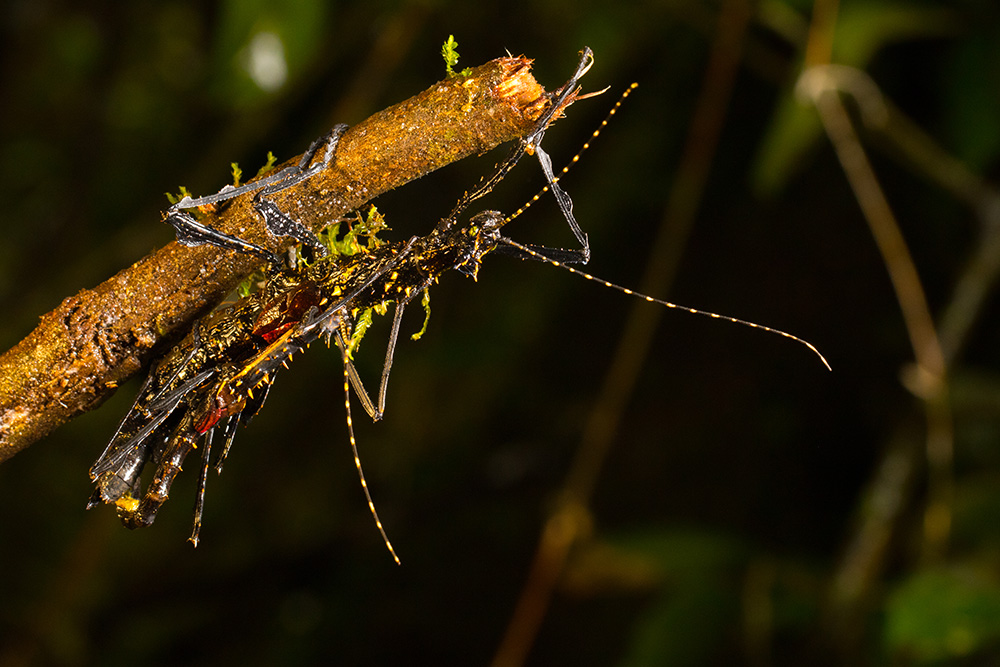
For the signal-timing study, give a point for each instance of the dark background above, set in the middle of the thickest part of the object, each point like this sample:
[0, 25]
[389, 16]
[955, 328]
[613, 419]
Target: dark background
[730, 508]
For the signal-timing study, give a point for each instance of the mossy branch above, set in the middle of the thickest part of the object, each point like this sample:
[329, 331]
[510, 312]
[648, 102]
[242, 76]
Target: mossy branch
[98, 338]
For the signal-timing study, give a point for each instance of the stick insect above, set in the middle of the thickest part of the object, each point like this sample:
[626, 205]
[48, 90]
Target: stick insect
[220, 375]
[208, 381]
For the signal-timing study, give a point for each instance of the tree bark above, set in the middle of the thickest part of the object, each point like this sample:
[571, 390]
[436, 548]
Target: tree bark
[93, 341]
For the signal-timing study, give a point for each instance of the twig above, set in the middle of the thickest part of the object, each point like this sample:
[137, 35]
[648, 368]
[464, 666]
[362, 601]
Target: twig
[98, 338]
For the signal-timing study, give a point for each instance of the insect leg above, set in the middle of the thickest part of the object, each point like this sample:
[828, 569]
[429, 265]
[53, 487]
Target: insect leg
[230, 191]
[117, 471]
[192, 233]
[118, 467]
[397, 318]
[376, 413]
[538, 253]
[362, 393]
[277, 221]
[391, 347]
[354, 447]
[244, 417]
[322, 321]
[563, 96]
[581, 256]
[199, 499]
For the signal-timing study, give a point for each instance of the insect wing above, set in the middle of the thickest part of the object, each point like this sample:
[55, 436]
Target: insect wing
[118, 468]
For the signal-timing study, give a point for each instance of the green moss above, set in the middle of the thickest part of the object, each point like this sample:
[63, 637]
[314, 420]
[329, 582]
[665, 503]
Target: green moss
[449, 51]
[268, 166]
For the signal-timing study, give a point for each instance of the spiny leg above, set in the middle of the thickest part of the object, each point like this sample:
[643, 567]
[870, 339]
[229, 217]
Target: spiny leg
[377, 412]
[576, 158]
[581, 256]
[277, 221]
[118, 469]
[253, 406]
[324, 322]
[390, 350]
[361, 392]
[354, 448]
[190, 232]
[124, 445]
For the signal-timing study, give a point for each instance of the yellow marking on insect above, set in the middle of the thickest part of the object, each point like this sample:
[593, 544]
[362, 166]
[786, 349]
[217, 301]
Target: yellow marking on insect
[281, 345]
[127, 503]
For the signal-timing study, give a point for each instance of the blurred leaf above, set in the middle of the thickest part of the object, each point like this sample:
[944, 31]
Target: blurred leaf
[862, 29]
[972, 105]
[942, 613]
[693, 616]
[975, 512]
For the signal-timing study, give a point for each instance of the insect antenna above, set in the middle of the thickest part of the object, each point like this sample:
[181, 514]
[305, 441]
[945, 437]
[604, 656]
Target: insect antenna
[342, 345]
[624, 290]
[526, 251]
[576, 158]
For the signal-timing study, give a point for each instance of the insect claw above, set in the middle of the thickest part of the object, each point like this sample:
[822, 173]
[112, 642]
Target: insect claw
[592, 94]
